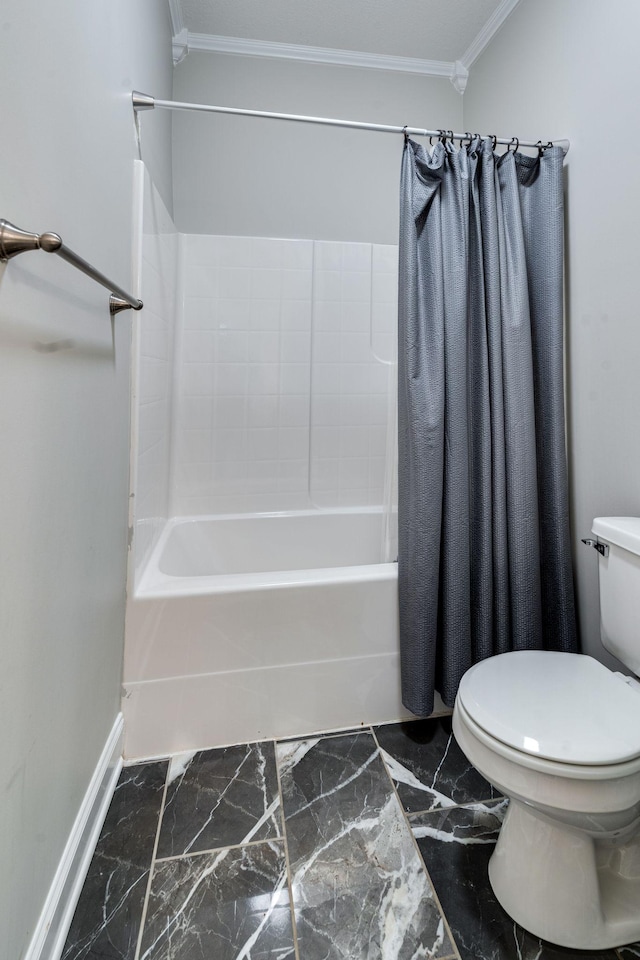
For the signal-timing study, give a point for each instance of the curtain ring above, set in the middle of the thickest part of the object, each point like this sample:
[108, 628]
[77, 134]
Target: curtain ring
[443, 135]
[540, 147]
[430, 140]
[517, 142]
[494, 142]
[467, 137]
[406, 135]
[450, 135]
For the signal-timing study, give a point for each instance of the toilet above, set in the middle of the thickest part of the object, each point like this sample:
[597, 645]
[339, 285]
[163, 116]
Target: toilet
[559, 734]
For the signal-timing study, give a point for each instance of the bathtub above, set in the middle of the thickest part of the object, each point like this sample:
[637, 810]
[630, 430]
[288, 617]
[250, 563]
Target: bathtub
[250, 627]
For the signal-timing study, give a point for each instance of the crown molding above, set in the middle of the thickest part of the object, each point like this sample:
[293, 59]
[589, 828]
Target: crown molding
[488, 32]
[180, 45]
[457, 72]
[459, 76]
[177, 20]
[293, 51]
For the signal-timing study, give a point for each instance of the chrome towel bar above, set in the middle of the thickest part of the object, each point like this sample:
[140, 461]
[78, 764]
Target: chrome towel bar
[13, 241]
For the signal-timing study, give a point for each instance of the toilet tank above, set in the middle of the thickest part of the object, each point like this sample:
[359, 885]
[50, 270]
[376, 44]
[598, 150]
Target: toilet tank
[619, 577]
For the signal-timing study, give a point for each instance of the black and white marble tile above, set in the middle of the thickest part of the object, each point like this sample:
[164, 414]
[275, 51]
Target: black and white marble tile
[106, 923]
[358, 885]
[428, 767]
[220, 798]
[225, 905]
[456, 845]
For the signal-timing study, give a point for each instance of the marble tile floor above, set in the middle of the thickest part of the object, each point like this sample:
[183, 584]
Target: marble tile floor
[354, 846]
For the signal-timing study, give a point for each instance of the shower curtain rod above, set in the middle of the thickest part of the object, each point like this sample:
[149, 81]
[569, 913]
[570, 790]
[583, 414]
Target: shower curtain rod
[142, 101]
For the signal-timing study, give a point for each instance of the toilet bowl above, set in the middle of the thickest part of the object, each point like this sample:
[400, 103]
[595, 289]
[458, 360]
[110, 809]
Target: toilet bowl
[559, 734]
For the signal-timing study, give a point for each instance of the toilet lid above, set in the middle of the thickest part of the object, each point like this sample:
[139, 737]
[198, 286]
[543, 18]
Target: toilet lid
[561, 706]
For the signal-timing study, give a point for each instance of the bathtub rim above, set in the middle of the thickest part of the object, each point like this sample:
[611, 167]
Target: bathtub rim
[155, 584]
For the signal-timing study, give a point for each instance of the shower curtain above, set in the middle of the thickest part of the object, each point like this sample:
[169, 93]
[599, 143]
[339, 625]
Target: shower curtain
[484, 552]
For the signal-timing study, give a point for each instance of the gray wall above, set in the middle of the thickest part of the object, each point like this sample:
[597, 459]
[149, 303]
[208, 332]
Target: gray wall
[69, 142]
[252, 177]
[569, 68]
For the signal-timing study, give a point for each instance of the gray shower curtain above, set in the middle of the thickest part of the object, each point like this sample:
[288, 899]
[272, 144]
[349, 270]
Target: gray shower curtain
[484, 553]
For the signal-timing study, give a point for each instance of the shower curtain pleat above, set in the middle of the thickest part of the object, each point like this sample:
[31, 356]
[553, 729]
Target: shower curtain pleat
[484, 552]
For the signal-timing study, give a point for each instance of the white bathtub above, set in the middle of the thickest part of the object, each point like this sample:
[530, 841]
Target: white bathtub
[251, 627]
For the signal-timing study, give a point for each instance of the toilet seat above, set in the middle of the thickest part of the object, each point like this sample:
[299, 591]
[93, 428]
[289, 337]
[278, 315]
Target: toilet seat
[537, 764]
[560, 707]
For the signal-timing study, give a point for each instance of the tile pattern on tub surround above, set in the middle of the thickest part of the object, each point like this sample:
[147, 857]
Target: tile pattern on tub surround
[283, 374]
[354, 341]
[154, 374]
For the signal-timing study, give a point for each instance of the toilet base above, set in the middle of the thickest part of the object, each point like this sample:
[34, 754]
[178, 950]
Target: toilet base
[564, 886]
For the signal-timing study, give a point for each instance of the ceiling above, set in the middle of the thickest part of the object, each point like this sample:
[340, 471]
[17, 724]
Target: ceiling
[423, 29]
[432, 37]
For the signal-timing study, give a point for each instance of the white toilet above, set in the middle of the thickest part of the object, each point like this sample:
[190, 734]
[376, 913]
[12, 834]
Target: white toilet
[559, 734]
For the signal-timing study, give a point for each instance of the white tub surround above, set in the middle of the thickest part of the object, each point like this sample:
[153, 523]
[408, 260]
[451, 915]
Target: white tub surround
[264, 418]
[217, 657]
[152, 371]
[282, 374]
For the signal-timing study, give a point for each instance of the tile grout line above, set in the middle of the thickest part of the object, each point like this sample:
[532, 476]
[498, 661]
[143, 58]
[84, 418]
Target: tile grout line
[294, 927]
[232, 846]
[417, 849]
[152, 865]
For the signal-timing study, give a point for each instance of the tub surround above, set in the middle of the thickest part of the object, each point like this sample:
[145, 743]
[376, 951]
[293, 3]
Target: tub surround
[262, 377]
[282, 374]
[152, 371]
[264, 385]
[303, 849]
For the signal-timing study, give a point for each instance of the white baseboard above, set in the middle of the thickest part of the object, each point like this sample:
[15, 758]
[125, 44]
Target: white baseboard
[51, 930]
